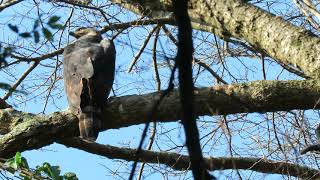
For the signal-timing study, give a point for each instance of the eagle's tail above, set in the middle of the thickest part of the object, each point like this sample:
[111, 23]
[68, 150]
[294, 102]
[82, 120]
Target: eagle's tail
[89, 123]
[89, 117]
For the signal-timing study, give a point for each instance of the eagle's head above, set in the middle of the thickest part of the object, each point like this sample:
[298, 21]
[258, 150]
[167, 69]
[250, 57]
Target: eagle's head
[85, 32]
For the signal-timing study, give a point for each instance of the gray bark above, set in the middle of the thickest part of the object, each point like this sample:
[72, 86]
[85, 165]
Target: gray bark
[23, 131]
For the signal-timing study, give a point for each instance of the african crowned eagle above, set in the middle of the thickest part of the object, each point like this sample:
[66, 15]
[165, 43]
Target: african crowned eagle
[89, 66]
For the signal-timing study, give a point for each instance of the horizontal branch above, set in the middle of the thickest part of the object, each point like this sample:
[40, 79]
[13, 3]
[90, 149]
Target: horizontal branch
[240, 19]
[39, 58]
[140, 22]
[313, 147]
[29, 131]
[182, 162]
[259, 96]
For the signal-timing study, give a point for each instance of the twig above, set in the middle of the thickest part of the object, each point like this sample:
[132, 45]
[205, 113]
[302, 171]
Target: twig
[153, 133]
[150, 116]
[207, 67]
[18, 82]
[136, 57]
[305, 10]
[139, 22]
[39, 58]
[202, 64]
[263, 67]
[154, 59]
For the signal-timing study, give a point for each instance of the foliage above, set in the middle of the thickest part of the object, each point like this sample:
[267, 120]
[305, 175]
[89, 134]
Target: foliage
[4, 53]
[45, 28]
[19, 164]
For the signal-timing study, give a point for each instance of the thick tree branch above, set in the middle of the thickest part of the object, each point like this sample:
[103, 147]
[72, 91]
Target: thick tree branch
[25, 131]
[258, 96]
[313, 147]
[31, 132]
[236, 18]
[182, 162]
[8, 4]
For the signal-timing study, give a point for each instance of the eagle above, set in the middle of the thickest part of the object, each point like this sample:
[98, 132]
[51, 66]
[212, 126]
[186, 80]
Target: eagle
[88, 70]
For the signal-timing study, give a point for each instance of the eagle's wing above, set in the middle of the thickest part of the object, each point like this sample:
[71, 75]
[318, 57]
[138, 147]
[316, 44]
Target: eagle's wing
[77, 65]
[105, 70]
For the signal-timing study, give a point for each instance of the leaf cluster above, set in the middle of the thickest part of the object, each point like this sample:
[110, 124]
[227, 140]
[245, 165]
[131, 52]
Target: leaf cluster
[19, 164]
[52, 23]
[4, 53]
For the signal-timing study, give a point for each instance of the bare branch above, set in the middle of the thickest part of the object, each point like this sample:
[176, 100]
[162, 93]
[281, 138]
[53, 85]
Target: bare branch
[19, 81]
[137, 56]
[182, 162]
[143, 22]
[202, 64]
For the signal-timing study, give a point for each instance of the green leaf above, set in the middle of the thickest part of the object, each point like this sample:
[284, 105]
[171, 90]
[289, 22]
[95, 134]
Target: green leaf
[11, 163]
[56, 26]
[17, 158]
[25, 35]
[3, 61]
[7, 51]
[53, 19]
[26, 178]
[36, 36]
[44, 168]
[47, 34]
[21, 161]
[51, 171]
[13, 28]
[39, 169]
[5, 86]
[24, 163]
[70, 176]
[14, 162]
[56, 172]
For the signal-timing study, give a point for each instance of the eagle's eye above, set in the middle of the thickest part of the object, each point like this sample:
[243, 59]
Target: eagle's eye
[80, 29]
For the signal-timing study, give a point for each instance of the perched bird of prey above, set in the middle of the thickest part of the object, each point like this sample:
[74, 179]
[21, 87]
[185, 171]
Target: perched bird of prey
[89, 65]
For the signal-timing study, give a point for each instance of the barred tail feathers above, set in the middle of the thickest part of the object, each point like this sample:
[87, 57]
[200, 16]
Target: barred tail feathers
[89, 123]
[89, 116]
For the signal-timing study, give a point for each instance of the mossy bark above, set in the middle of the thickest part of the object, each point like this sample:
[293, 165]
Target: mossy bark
[24, 131]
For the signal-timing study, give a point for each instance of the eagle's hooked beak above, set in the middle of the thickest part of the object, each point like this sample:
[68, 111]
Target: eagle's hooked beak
[73, 34]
